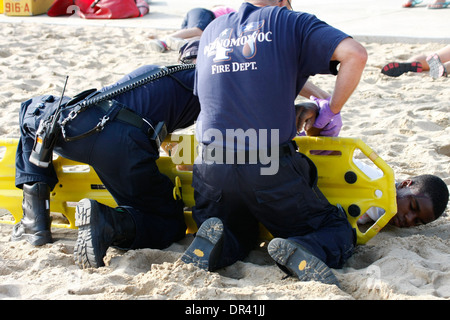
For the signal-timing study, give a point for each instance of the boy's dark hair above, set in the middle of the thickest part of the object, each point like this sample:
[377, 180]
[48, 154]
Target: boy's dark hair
[435, 188]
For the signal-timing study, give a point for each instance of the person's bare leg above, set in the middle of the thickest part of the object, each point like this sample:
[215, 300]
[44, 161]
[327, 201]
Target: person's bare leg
[444, 54]
[394, 69]
[187, 33]
[177, 39]
[422, 59]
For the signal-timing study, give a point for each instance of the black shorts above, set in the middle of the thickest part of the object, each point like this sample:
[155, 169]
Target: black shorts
[198, 18]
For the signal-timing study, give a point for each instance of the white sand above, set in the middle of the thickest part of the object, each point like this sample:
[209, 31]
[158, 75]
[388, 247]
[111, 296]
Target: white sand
[405, 120]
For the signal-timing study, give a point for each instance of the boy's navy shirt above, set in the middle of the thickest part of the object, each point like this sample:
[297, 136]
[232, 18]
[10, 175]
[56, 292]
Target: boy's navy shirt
[252, 46]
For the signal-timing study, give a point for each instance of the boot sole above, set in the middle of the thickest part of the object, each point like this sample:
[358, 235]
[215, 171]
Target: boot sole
[85, 255]
[206, 246]
[300, 262]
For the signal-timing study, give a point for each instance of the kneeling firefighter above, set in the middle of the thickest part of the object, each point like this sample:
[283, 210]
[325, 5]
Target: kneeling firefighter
[117, 131]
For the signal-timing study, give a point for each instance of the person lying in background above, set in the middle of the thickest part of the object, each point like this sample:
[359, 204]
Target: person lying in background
[436, 63]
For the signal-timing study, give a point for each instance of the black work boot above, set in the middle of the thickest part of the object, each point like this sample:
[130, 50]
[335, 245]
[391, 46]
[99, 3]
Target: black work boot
[100, 227]
[35, 224]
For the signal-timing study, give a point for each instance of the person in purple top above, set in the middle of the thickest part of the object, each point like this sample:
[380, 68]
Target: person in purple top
[250, 67]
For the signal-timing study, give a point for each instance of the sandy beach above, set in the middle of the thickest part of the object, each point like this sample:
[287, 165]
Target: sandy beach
[405, 120]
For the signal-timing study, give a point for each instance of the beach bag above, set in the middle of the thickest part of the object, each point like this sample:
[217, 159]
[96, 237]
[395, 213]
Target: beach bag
[109, 9]
[61, 8]
[102, 9]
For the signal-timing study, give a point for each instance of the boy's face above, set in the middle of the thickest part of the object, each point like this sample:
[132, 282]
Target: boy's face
[413, 207]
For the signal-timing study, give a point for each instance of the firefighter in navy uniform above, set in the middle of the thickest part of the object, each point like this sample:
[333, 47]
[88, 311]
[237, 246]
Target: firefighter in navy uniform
[124, 157]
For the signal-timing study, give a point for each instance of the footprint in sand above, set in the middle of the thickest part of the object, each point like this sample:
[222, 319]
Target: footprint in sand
[5, 53]
[444, 150]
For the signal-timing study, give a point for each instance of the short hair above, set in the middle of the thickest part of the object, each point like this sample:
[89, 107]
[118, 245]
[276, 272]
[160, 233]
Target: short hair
[435, 188]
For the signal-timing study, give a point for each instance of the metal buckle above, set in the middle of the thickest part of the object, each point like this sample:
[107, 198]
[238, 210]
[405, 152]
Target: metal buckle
[102, 123]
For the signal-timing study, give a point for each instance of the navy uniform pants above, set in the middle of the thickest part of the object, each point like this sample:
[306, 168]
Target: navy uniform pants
[124, 158]
[289, 204]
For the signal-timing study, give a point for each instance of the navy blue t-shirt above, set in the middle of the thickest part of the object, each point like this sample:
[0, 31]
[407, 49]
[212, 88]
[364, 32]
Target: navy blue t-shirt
[165, 99]
[251, 66]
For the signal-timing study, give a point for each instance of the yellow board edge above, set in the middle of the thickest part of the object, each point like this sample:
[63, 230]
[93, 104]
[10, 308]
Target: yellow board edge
[78, 181]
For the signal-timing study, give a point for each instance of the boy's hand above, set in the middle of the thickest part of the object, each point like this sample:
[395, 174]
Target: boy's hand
[306, 114]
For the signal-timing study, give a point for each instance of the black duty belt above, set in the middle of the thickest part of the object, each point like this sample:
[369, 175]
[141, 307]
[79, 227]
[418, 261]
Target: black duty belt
[123, 114]
[116, 111]
[208, 153]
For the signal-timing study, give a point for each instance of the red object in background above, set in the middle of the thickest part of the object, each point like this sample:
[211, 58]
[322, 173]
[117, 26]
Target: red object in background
[103, 9]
